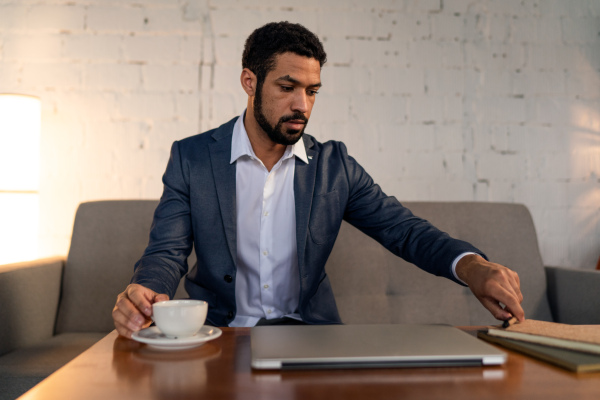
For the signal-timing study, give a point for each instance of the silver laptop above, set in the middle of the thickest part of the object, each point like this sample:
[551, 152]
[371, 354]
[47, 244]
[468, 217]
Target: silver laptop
[368, 346]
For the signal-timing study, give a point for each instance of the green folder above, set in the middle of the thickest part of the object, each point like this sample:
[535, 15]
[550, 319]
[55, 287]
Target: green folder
[569, 359]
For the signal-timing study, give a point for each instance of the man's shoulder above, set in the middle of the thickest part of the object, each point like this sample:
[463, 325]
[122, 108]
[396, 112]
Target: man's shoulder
[326, 149]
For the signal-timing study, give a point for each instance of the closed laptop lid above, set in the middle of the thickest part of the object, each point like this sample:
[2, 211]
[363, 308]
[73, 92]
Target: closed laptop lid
[368, 346]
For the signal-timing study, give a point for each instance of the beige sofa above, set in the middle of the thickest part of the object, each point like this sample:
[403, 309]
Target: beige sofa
[52, 309]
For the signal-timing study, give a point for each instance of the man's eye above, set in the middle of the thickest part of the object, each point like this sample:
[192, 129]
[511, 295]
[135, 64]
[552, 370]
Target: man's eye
[313, 92]
[287, 88]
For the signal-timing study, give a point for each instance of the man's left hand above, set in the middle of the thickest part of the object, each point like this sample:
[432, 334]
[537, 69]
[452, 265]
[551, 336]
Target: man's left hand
[493, 285]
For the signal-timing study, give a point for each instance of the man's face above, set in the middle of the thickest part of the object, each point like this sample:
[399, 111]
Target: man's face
[283, 103]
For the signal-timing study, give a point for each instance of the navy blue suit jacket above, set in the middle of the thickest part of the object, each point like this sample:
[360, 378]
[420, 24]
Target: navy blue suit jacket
[198, 208]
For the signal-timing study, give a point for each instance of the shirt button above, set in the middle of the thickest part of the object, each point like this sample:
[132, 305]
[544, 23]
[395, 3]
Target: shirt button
[266, 286]
[230, 314]
[266, 214]
[228, 278]
[269, 311]
[265, 253]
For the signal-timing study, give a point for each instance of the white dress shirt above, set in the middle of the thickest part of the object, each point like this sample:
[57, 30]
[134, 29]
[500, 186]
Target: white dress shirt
[267, 283]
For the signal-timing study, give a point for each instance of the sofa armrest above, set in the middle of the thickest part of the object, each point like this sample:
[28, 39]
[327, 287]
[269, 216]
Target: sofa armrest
[29, 295]
[573, 295]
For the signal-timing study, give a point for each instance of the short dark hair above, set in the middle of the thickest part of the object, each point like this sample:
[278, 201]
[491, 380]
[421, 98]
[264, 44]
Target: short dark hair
[275, 38]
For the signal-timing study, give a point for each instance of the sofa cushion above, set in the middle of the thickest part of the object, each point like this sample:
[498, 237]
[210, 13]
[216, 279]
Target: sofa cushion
[24, 368]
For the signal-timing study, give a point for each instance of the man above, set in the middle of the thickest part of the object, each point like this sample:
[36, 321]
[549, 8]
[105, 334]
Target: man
[262, 203]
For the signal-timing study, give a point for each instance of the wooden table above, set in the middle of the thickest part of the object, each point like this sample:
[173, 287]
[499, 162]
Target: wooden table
[116, 368]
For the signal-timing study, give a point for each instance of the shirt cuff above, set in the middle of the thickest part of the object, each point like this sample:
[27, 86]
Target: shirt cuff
[455, 262]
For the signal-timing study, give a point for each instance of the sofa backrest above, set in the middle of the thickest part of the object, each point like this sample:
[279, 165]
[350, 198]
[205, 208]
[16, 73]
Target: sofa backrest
[108, 238]
[371, 285]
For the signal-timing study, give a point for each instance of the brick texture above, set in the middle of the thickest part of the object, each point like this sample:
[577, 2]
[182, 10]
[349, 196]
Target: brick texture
[440, 100]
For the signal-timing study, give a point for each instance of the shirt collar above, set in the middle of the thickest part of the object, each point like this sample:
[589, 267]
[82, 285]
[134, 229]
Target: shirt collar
[240, 144]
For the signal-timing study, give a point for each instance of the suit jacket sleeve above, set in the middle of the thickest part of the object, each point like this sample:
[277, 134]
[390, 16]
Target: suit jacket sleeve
[171, 240]
[394, 226]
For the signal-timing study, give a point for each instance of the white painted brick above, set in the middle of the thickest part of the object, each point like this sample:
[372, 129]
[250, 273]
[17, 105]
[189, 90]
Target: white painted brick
[228, 51]
[52, 76]
[503, 167]
[445, 81]
[447, 27]
[227, 79]
[235, 22]
[531, 82]
[423, 5]
[55, 17]
[378, 108]
[561, 8]
[339, 51]
[10, 78]
[187, 107]
[392, 54]
[553, 110]
[425, 54]
[353, 24]
[449, 190]
[145, 106]
[584, 83]
[425, 109]
[552, 56]
[12, 16]
[420, 138]
[549, 30]
[449, 138]
[92, 47]
[490, 82]
[115, 19]
[494, 56]
[170, 18]
[581, 30]
[152, 48]
[34, 46]
[452, 55]
[401, 27]
[191, 48]
[398, 81]
[454, 111]
[331, 108]
[503, 109]
[484, 27]
[181, 78]
[346, 80]
[118, 77]
[424, 165]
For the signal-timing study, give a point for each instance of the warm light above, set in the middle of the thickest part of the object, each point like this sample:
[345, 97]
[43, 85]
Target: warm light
[19, 177]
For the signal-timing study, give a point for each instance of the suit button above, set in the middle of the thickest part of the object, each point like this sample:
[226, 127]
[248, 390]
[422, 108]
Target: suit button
[228, 278]
[230, 315]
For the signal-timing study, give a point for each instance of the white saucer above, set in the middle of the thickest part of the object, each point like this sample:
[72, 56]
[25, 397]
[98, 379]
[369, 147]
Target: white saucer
[153, 337]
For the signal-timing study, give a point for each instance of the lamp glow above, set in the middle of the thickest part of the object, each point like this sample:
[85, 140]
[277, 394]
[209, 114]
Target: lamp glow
[20, 119]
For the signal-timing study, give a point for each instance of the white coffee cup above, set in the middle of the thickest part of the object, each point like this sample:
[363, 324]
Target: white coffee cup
[179, 318]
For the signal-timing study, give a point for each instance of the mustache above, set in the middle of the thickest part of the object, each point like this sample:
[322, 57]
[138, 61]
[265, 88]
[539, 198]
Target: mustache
[295, 116]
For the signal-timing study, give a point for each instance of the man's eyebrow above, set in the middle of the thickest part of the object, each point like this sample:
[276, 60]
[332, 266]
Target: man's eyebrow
[295, 81]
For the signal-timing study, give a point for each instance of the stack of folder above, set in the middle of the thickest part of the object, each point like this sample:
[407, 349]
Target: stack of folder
[574, 347]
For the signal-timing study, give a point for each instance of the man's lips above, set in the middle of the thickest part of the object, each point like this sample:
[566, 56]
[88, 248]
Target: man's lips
[296, 123]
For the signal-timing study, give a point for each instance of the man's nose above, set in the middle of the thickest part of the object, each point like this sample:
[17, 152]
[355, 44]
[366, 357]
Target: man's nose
[300, 102]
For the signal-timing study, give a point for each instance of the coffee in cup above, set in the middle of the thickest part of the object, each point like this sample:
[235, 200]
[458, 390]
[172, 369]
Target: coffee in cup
[179, 318]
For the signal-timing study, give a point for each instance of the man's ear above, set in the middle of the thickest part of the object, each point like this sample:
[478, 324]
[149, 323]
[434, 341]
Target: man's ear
[248, 80]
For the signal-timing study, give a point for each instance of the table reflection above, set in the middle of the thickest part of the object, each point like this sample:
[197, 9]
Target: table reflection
[170, 374]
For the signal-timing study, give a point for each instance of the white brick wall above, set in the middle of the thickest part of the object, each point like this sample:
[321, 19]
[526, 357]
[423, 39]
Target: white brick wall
[487, 100]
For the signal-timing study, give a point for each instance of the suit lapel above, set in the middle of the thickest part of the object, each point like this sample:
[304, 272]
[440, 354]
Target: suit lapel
[304, 185]
[224, 177]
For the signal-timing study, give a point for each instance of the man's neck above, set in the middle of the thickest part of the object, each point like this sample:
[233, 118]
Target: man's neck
[265, 149]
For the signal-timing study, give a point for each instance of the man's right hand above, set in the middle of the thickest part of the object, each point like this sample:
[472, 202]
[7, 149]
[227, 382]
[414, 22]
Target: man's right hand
[133, 310]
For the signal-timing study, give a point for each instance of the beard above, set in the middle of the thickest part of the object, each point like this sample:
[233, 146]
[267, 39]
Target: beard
[276, 133]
